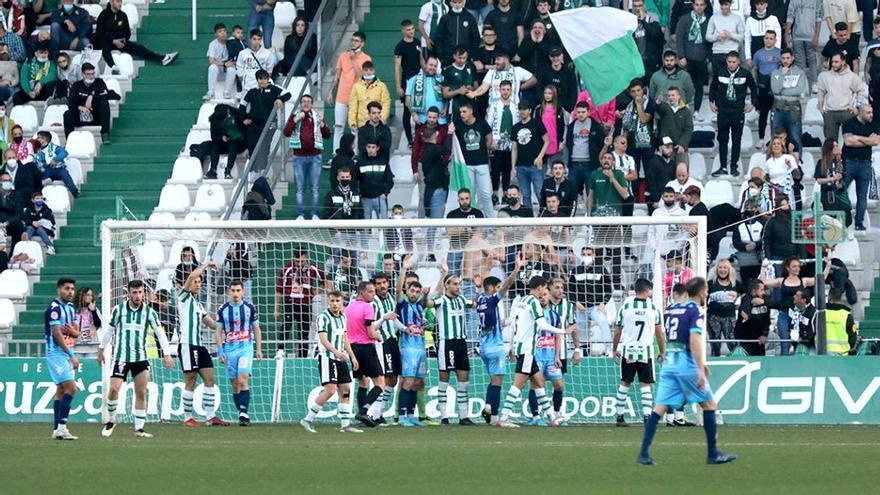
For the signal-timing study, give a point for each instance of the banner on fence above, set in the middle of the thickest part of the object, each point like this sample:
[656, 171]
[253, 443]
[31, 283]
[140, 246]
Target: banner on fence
[773, 390]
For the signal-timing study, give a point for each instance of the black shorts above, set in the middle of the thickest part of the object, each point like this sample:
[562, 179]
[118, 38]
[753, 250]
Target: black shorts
[526, 364]
[391, 357]
[367, 356]
[122, 369]
[333, 371]
[645, 371]
[194, 357]
[452, 354]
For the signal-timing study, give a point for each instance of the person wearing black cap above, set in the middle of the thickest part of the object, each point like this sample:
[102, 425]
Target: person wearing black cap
[562, 77]
[38, 77]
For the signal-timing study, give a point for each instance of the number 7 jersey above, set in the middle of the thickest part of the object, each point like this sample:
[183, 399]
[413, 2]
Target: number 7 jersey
[637, 318]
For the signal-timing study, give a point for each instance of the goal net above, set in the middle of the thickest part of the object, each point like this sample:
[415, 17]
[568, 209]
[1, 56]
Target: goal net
[289, 266]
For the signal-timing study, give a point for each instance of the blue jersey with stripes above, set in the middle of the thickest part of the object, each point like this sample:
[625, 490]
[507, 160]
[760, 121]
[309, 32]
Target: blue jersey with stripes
[545, 348]
[237, 322]
[412, 316]
[490, 321]
[58, 313]
[680, 321]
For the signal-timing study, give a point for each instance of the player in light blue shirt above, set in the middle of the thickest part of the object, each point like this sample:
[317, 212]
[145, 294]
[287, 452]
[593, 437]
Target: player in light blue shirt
[238, 328]
[492, 352]
[61, 332]
[685, 375]
[413, 356]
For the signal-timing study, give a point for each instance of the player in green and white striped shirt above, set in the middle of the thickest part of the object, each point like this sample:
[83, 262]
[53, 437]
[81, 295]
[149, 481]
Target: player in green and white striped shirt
[194, 356]
[129, 323]
[452, 352]
[334, 352]
[384, 305]
[528, 318]
[638, 324]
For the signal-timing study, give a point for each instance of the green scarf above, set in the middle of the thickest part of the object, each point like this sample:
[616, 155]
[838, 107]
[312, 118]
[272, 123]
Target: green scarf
[695, 34]
[38, 71]
[295, 143]
[231, 129]
[419, 88]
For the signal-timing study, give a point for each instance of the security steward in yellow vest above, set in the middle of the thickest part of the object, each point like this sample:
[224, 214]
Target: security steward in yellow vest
[841, 336]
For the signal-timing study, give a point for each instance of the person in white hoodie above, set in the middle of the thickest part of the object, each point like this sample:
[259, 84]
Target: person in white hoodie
[252, 59]
[501, 117]
[757, 26]
[726, 32]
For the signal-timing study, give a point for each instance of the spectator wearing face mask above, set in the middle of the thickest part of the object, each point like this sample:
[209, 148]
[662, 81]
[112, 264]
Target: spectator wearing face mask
[68, 73]
[89, 104]
[590, 287]
[399, 240]
[8, 74]
[38, 77]
[24, 149]
[26, 176]
[748, 241]
[71, 27]
[39, 220]
[10, 210]
[756, 188]
[50, 160]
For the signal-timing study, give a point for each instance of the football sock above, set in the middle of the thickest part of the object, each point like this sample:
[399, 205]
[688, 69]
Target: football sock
[313, 412]
[56, 407]
[710, 427]
[236, 400]
[543, 401]
[362, 399]
[650, 430]
[64, 410]
[372, 395]
[112, 404]
[493, 398]
[557, 400]
[533, 403]
[244, 398]
[403, 403]
[345, 415]
[140, 417]
[513, 395]
[441, 398]
[378, 406]
[647, 400]
[187, 398]
[420, 399]
[208, 400]
[622, 390]
[461, 396]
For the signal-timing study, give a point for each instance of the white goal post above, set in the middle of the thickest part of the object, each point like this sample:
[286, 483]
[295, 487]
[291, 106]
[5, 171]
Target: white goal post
[627, 247]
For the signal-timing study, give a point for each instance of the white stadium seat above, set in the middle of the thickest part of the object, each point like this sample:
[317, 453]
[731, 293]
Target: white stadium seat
[57, 198]
[125, 64]
[187, 170]
[758, 159]
[81, 144]
[747, 141]
[210, 198]
[174, 198]
[697, 166]
[811, 112]
[152, 253]
[848, 252]
[285, 13]
[134, 19]
[113, 85]
[94, 10]
[205, 111]
[402, 169]
[725, 248]
[74, 168]
[162, 217]
[196, 137]
[197, 217]
[32, 249]
[13, 284]
[808, 164]
[165, 279]
[717, 192]
[26, 117]
[7, 313]
[54, 117]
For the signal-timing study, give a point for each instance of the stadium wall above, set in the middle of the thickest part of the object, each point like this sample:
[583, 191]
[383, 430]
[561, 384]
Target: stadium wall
[793, 390]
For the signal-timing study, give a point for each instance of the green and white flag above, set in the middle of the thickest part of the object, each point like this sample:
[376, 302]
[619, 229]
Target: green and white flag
[458, 177]
[601, 44]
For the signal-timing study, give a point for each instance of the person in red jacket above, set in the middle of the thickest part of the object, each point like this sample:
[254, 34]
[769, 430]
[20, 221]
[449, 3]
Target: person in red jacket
[307, 131]
[432, 121]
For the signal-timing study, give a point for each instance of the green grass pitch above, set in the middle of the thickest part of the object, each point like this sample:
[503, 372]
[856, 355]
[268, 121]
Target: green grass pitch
[437, 460]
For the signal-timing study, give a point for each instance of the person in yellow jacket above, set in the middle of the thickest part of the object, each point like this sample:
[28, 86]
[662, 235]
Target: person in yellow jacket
[368, 89]
[841, 335]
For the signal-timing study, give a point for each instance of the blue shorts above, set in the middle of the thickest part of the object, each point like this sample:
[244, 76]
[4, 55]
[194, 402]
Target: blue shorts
[414, 362]
[680, 386]
[59, 368]
[239, 361]
[495, 360]
[550, 370]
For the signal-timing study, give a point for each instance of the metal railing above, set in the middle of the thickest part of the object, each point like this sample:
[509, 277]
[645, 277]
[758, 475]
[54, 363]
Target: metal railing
[270, 154]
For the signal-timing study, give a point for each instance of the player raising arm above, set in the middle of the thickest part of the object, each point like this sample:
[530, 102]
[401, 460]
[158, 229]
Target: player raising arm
[684, 376]
[61, 333]
[632, 331]
[129, 323]
[239, 326]
[195, 360]
[333, 356]
[492, 339]
[528, 318]
[413, 356]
